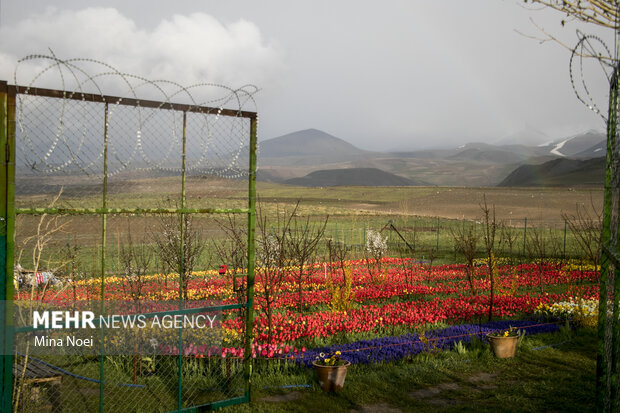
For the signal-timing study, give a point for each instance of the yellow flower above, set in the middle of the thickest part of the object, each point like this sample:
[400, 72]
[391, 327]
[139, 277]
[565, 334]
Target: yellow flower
[505, 333]
[338, 353]
[326, 361]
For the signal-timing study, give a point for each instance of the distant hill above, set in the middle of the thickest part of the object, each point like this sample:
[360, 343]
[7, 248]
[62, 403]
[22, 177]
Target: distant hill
[489, 155]
[577, 144]
[308, 147]
[528, 136]
[351, 177]
[595, 151]
[295, 155]
[559, 172]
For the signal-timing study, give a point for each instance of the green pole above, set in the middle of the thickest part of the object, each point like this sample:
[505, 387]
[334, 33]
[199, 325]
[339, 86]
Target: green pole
[524, 234]
[181, 263]
[7, 241]
[364, 238]
[104, 205]
[564, 250]
[437, 246]
[249, 320]
[603, 375]
[336, 231]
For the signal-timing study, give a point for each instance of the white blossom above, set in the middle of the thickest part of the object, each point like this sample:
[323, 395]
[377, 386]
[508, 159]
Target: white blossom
[375, 243]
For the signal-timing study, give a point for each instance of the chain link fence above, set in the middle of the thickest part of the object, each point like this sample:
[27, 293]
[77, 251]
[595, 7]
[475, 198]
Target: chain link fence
[114, 199]
[608, 367]
[592, 48]
[525, 238]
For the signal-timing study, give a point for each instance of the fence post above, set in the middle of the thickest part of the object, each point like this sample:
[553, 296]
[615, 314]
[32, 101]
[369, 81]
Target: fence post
[364, 243]
[564, 251]
[524, 234]
[607, 364]
[104, 218]
[351, 235]
[437, 246]
[7, 239]
[336, 233]
[182, 260]
[249, 313]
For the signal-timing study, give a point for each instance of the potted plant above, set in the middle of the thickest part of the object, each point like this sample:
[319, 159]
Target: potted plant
[504, 342]
[331, 371]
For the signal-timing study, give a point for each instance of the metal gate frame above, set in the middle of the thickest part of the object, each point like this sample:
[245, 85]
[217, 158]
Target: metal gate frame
[8, 213]
[607, 366]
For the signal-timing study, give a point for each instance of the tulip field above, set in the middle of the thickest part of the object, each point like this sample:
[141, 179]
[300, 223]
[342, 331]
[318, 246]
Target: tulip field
[405, 296]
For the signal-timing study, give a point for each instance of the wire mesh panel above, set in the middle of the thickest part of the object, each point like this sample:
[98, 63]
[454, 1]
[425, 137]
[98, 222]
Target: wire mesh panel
[608, 390]
[122, 207]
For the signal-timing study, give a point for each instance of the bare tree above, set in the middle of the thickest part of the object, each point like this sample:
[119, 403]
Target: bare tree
[467, 244]
[337, 252]
[341, 294]
[432, 255]
[489, 229]
[600, 12]
[47, 229]
[232, 252]
[135, 261]
[585, 226]
[408, 265]
[178, 245]
[508, 240]
[537, 250]
[303, 240]
[272, 259]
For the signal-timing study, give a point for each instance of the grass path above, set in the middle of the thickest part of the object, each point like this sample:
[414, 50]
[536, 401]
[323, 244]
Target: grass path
[558, 377]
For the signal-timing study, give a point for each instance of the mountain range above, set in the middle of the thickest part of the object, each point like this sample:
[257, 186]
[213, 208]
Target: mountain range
[314, 158]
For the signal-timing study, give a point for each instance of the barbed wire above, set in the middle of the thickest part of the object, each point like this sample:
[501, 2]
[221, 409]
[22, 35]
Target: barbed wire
[61, 141]
[589, 46]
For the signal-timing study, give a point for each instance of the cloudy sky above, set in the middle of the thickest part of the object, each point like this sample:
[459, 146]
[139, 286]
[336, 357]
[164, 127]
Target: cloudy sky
[399, 74]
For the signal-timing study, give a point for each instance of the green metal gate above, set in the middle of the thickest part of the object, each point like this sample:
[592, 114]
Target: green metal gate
[607, 367]
[607, 386]
[81, 170]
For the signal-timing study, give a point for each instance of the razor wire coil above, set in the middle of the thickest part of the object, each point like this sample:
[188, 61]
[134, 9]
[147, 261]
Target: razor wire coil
[59, 141]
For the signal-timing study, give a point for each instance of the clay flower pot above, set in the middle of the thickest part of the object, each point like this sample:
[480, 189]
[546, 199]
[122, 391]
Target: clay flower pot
[331, 378]
[503, 347]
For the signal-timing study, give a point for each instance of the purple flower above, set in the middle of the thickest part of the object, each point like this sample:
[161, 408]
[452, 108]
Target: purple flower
[386, 349]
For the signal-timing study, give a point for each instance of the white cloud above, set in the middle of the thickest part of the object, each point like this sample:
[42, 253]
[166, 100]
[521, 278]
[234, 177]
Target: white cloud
[186, 49]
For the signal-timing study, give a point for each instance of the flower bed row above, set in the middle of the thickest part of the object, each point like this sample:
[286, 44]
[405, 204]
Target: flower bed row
[398, 278]
[389, 349]
[291, 326]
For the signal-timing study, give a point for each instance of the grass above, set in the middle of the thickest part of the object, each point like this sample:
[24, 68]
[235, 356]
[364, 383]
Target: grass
[557, 378]
[551, 372]
[425, 216]
[423, 233]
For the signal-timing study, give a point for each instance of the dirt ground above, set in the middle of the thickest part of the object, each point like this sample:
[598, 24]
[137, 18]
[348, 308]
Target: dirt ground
[541, 206]
[537, 204]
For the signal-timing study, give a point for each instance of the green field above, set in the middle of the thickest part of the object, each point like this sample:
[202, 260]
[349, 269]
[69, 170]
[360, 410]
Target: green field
[426, 217]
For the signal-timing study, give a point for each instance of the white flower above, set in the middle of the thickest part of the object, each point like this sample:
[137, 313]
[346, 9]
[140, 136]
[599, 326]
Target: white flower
[375, 243]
